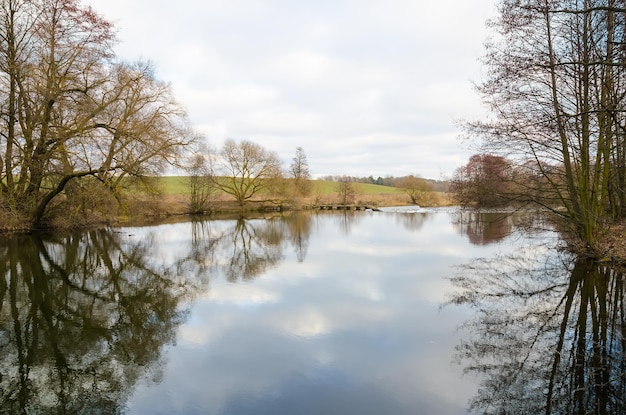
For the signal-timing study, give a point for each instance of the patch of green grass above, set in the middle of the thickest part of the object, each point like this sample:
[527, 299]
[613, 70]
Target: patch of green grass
[174, 185]
[179, 185]
[322, 187]
[375, 189]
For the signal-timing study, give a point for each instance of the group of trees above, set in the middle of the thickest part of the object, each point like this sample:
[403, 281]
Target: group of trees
[246, 171]
[381, 181]
[391, 181]
[485, 181]
[73, 119]
[556, 84]
[76, 123]
[249, 172]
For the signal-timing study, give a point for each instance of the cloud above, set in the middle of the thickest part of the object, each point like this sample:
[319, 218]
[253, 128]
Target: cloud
[326, 75]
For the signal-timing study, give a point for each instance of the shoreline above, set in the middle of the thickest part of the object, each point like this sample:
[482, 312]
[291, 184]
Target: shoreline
[147, 211]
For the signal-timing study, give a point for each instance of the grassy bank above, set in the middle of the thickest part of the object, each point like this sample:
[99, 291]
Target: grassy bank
[173, 197]
[170, 196]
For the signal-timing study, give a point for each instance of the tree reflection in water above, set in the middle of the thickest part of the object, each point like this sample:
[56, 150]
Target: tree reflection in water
[346, 219]
[486, 227]
[299, 227]
[251, 245]
[549, 336]
[82, 318]
[413, 221]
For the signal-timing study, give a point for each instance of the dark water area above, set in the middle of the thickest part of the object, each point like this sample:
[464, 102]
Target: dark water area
[396, 312]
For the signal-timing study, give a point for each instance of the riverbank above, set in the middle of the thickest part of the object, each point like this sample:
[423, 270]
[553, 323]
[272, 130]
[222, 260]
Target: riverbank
[143, 207]
[154, 208]
[612, 245]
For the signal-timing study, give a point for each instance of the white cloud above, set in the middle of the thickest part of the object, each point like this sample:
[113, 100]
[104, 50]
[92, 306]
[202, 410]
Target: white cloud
[321, 75]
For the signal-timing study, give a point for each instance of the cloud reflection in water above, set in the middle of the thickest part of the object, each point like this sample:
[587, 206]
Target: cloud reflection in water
[351, 326]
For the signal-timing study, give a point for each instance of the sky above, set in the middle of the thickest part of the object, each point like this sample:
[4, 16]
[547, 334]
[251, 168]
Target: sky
[367, 87]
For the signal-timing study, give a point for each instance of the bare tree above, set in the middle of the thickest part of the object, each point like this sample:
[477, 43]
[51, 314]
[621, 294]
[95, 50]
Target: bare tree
[246, 170]
[345, 190]
[556, 85]
[70, 111]
[200, 182]
[299, 171]
[415, 187]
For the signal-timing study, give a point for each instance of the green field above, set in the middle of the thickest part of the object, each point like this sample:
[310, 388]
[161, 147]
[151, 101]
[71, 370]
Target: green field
[174, 185]
[323, 187]
[178, 185]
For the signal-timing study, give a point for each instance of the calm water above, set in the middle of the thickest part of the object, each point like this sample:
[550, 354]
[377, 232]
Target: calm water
[337, 313]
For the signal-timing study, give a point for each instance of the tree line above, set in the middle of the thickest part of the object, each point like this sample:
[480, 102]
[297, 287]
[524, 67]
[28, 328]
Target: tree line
[390, 181]
[251, 173]
[248, 172]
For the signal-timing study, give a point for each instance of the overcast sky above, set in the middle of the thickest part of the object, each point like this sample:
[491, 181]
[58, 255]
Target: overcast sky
[365, 87]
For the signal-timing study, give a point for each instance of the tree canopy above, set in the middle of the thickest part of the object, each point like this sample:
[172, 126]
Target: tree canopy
[70, 110]
[245, 169]
[483, 181]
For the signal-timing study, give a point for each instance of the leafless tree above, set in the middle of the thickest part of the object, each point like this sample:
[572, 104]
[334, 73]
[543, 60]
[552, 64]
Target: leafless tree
[299, 171]
[415, 187]
[201, 181]
[246, 170]
[345, 190]
[556, 86]
[71, 111]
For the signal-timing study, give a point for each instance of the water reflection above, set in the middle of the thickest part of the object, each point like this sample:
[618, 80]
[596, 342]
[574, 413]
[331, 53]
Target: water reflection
[485, 228]
[414, 221]
[346, 220]
[82, 318]
[300, 228]
[251, 247]
[330, 313]
[352, 326]
[548, 336]
[242, 249]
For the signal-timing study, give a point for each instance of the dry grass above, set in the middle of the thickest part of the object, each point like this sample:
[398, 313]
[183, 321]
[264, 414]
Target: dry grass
[612, 246]
[10, 221]
[175, 194]
[177, 204]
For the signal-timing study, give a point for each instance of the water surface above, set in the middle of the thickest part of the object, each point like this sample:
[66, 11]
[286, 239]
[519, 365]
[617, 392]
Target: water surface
[335, 313]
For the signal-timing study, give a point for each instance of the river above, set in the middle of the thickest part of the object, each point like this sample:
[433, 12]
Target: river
[405, 311]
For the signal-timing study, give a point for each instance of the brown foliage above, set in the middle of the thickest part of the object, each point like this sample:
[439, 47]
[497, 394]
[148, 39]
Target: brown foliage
[484, 181]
